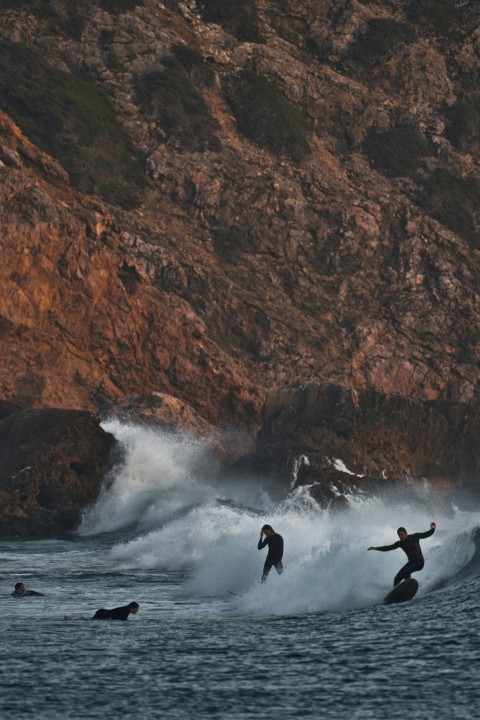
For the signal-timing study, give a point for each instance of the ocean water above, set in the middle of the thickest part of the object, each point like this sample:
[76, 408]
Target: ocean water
[209, 640]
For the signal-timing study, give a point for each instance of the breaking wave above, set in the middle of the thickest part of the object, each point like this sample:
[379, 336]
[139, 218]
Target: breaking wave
[184, 519]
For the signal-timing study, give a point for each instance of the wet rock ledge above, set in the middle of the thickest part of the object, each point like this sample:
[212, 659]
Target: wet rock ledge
[332, 441]
[317, 439]
[51, 467]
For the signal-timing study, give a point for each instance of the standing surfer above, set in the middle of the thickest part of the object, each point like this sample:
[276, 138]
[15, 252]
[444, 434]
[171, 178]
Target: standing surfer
[275, 550]
[410, 545]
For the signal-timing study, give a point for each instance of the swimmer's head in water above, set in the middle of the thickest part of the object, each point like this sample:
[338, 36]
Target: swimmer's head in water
[19, 587]
[402, 533]
[133, 607]
[268, 530]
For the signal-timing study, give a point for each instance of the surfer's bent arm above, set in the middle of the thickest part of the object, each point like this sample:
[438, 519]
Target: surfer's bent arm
[262, 543]
[424, 535]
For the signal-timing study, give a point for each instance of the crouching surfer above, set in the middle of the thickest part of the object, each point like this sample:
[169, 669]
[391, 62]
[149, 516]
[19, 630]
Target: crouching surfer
[410, 544]
[275, 550]
[120, 613]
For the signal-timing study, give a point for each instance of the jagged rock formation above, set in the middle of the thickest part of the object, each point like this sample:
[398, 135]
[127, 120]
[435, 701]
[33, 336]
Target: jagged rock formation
[52, 463]
[160, 410]
[337, 441]
[171, 415]
[308, 201]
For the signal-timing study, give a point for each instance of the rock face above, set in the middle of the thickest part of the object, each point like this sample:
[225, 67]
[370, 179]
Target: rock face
[307, 206]
[163, 411]
[328, 436]
[170, 414]
[52, 463]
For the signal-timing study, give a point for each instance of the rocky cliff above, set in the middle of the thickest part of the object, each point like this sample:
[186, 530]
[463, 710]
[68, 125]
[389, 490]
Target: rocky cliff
[212, 199]
[334, 441]
[53, 463]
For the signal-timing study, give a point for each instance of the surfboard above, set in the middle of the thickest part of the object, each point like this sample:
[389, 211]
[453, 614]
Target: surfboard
[234, 593]
[402, 592]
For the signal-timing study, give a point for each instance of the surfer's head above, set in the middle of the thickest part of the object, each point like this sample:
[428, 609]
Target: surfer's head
[19, 588]
[402, 533]
[268, 530]
[133, 607]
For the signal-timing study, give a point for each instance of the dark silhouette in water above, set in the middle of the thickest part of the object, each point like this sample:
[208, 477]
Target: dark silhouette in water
[275, 550]
[410, 545]
[120, 613]
[21, 592]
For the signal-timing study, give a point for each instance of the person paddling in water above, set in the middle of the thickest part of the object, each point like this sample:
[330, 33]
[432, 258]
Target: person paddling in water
[275, 550]
[21, 592]
[410, 545]
[120, 613]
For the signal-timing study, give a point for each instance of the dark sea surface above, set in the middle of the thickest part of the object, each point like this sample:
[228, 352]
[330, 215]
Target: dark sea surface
[315, 642]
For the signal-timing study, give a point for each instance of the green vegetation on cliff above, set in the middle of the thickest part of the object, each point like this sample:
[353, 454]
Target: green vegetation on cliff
[68, 17]
[73, 121]
[453, 201]
[266, 117]
[237, 17]
[232, 242]
[382, 38]
[463, 125]
[171, 98]
[395, 152]
[442, 17]
[193, 62]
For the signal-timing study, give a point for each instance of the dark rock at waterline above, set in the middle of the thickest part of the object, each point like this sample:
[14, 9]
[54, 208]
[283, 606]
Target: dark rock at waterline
[51, 467]
[334, 503]
[7, 408]
[336, 441]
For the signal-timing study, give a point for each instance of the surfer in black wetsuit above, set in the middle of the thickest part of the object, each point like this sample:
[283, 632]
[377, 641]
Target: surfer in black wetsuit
[21, 592]
[410, 545]
[275, 550]
[120, 613]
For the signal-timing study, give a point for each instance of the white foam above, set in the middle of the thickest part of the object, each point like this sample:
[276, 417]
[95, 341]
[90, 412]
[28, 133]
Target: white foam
[188, 522]
[159, 477]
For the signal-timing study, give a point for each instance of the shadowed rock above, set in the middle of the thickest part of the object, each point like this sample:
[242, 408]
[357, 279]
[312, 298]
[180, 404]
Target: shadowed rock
[337, 441]
[51, 467]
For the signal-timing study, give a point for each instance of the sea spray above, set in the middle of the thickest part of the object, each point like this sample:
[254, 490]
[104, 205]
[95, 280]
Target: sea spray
[186, 522]
[158, 478]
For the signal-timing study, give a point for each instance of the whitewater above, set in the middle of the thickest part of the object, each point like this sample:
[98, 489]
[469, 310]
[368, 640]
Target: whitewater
[209, 640]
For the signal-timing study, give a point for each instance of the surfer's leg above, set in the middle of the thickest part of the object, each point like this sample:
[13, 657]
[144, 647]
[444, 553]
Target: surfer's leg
[266, 569]
[279, 567]
[415, 567]
[405, 572]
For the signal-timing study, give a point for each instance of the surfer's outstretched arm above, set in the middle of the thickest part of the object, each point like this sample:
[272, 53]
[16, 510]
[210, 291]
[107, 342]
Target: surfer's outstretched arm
[384, 548]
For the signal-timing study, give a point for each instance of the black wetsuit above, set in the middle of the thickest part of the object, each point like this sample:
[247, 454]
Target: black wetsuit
[120, 613]
[411, 547]
[27, 593]
[275, 554]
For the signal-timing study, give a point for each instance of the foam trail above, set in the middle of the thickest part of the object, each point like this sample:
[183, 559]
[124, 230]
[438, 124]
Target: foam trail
[185, 526]
[327, 566]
